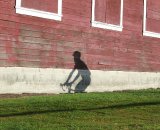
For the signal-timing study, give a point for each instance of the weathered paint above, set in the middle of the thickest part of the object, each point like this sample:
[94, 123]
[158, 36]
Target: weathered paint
[27, 41]
[48, 5]
[38, 42]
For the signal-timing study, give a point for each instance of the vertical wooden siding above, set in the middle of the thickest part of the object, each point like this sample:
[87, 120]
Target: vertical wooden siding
[153, 16]
[36, 42]
[108, 11]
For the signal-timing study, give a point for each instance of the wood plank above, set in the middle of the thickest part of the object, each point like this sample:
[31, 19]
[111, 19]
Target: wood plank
[100, 10]
[113, 8]
[42, 5]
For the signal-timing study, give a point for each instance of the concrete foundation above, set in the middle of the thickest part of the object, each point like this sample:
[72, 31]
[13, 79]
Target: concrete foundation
[37, 80]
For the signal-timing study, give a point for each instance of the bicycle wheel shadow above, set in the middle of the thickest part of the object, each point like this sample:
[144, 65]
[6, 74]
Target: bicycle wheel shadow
[83, 72]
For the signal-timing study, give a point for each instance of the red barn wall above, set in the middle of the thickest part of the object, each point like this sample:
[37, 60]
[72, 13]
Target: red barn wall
[27, 41]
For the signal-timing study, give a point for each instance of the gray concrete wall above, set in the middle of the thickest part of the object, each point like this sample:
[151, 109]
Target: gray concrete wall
[38, 80]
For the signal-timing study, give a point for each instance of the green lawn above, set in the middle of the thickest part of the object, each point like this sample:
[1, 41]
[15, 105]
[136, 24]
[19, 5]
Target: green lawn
[132, 110]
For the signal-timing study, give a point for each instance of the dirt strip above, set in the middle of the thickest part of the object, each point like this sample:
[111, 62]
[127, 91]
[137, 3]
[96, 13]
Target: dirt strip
[2, 96]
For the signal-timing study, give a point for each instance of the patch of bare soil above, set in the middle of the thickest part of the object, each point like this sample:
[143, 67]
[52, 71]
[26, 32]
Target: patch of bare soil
[22, 95]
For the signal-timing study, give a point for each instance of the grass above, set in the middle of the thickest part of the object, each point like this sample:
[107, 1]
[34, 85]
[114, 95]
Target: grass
[130, 110]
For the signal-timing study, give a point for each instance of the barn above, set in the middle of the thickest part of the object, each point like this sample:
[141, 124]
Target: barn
[64, 46]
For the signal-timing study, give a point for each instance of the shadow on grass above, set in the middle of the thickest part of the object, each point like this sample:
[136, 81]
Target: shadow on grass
[81, 109]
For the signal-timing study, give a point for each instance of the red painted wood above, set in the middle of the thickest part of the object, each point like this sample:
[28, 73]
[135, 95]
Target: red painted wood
[153, 5]
[36, 42]
[153, 16]
[108, 11]
[100, 10]
[42, 5]
[153, 25]
[113, 8]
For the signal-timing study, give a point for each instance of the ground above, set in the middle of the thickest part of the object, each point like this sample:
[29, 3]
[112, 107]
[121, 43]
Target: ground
[127, 110]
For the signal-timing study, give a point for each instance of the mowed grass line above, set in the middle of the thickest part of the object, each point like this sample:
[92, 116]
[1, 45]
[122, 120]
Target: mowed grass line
[130, 110]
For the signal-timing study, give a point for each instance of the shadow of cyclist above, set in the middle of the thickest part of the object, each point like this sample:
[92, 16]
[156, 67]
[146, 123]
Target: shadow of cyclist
[83, 72]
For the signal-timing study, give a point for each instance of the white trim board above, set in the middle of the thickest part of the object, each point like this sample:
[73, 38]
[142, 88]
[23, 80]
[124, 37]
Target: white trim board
[106, 25]
[145, 32]
[38, 13]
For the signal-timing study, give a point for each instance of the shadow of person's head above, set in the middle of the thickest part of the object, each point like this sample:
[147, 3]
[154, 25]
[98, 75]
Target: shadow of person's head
[77, 56]
[79, 64]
